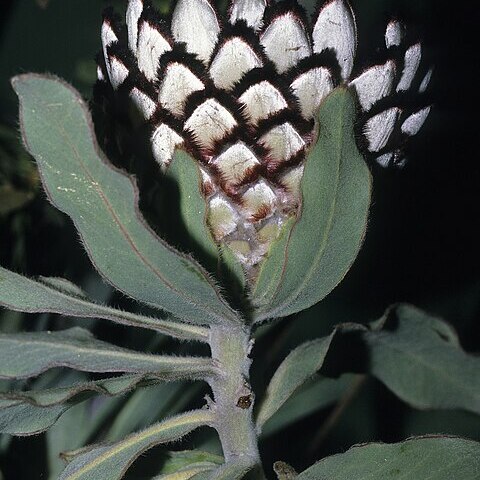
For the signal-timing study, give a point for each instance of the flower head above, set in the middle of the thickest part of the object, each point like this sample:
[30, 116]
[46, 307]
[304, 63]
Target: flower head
[241, 94]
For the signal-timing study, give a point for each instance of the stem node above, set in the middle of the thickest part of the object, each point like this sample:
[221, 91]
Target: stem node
[233, 396]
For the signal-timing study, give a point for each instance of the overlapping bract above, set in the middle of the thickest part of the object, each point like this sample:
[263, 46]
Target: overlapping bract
[241, 95]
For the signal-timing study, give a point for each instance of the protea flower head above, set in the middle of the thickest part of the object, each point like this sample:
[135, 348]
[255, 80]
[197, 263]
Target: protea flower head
[241, 95]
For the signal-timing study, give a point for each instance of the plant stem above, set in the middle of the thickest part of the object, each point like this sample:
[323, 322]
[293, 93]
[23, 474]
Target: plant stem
[233, 397]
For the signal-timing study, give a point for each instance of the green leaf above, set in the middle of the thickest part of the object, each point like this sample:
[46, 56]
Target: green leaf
[57, 295]
[103, 204]
[111, 461]
[309, 261]
[185, 173]
[415, 355]
[427, 458]
[81, 418]
[418, 357]
[185, 458]
[187, 472]
[186, 464]
[24, 355]
[298, 367]
[234, 470]
[31, 412]
[232, 271]
[309, 398]
[272, 268]
[149, 405]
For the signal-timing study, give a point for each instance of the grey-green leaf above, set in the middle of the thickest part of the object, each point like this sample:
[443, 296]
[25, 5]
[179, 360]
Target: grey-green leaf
[57, 295]
[418, 357]
[193, 208]
[272, 269]
[31, 412]
[427, 458]
[188, 472]
[299, 366]
[186, 464]
[24, 355]
[322, 245]
[111, 461]
[103, 203]
[232, 270]
[234, 470]
[148, 405]
[309, 398]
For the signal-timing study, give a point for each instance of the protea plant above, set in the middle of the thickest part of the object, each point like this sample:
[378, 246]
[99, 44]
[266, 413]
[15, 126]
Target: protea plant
[260, 123]
[241, 94]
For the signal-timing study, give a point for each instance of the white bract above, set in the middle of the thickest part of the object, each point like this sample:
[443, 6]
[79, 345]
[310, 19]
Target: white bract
[241, 95]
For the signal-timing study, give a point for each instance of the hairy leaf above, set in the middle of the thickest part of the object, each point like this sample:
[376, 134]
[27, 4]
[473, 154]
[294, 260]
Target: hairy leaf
[148, 405]
[234, 470]
[57, 295]
[232, 270]
[418, 357]
[83, 419]
[187, 472]
[112, 461]
[311, 259]
[193, 208]
[272, 268]
[298, 367]
[415, 355]
[427, 458]
[186, 464]
[24, 355]
[309, 398]
[103, 203]
[31, 412]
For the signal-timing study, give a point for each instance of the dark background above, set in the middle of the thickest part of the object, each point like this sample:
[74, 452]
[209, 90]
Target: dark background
[421, 245]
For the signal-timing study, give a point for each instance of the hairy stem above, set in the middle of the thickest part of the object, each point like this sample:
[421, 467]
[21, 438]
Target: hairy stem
[233, 397]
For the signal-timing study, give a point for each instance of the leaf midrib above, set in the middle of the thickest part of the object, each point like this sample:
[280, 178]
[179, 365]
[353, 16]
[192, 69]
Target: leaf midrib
[113, 314]
[65, 394]
[115, 352]
[204, 418]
